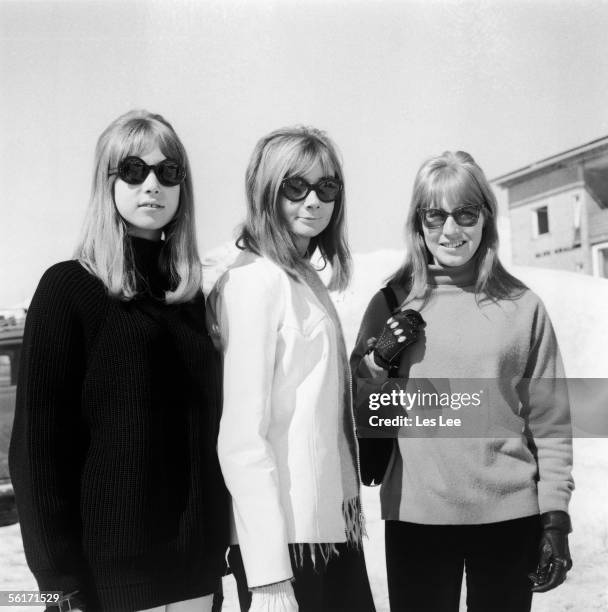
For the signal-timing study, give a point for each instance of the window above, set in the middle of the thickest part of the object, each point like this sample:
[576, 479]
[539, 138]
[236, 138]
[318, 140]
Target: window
[600, 259]
[542, 220]
[603, 263]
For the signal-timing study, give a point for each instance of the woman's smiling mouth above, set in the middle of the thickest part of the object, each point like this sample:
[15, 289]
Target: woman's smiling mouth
[453, 245]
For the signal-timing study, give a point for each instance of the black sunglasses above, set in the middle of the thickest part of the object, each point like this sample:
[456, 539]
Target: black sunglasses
[465, 216]
[296, 189]
[133, 170]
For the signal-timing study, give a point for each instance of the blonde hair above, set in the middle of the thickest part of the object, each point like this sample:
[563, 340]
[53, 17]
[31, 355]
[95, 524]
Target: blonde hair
[457, 179]
[104, 248]
[285, 152]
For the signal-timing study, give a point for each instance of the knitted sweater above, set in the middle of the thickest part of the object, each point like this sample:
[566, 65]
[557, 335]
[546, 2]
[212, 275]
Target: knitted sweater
[112, 457]
[472, 480]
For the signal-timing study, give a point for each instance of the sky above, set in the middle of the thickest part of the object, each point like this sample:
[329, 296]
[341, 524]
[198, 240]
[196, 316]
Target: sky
[392, 83]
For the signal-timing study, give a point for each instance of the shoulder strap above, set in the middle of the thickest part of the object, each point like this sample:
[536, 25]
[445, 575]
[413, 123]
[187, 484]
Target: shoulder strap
[393, 304]
[390, 297]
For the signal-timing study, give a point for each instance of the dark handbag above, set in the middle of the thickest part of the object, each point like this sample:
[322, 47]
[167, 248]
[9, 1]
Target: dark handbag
[375, 453]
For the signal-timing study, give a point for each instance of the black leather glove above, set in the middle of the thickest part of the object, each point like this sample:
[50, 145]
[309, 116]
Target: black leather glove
[401, 330]
[554, 554]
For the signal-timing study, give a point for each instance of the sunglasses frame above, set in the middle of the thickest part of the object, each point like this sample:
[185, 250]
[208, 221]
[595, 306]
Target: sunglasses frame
[445, 214]
[121, 172]
[310, 188]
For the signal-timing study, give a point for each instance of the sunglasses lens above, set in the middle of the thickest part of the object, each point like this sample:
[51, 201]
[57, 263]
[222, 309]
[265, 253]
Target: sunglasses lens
[328, 189]
[294, 189]
[133, 170]
[433, 217]
[467, 216]
[170, 173]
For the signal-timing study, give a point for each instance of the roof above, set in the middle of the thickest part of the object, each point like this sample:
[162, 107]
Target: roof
[587, 150]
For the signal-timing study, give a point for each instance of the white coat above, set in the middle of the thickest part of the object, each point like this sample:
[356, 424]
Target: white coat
[279, 432]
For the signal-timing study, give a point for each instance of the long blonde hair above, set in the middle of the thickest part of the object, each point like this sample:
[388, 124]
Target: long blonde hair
[104, 248]
[281, 153]
[456, 177]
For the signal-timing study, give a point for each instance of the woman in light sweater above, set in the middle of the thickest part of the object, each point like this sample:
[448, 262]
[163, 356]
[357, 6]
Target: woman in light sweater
[493, 499]
[287, 446]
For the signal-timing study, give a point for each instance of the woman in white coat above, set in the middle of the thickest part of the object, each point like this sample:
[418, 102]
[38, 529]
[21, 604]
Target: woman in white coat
[287, 443]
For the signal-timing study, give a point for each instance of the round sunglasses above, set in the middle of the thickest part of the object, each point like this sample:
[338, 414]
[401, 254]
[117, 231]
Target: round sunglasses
[296, 189]
[134, 171]
[465, 216]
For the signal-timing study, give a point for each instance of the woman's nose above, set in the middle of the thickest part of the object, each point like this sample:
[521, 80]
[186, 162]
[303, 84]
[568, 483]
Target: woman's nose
[151, 184]
[312, 200]
[450, 226]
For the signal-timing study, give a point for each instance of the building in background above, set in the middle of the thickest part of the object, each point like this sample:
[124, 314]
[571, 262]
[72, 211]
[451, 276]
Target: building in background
[558, 210]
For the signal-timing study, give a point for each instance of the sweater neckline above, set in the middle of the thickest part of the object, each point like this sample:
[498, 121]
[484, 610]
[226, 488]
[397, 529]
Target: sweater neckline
[458, 276]
[146, 257]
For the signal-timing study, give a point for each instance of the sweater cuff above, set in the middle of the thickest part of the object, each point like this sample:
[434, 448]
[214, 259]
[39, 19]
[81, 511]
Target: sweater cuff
[71, 587]
[275, 588]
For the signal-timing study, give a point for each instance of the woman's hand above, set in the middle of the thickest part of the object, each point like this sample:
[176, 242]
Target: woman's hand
[278, 597]
[400, 331]
[554, 553]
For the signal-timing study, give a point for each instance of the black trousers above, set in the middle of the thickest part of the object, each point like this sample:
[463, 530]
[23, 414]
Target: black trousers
[425, 564]
[341, 584]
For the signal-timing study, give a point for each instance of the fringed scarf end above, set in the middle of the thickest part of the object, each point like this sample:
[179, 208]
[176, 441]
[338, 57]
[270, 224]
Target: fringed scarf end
[354, 521]
[354, 526]
[319, 553]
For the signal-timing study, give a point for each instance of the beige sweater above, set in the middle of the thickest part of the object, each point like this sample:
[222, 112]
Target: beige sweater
[445, 479]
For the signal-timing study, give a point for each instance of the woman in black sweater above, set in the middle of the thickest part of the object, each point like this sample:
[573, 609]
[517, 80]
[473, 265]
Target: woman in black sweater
[113, 455]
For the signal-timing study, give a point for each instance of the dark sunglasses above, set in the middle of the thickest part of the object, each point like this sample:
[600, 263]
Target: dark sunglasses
[465, 216]
[133, 170]
[296, 189]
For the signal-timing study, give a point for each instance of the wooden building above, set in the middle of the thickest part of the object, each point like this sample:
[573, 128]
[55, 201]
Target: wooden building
[558, 209]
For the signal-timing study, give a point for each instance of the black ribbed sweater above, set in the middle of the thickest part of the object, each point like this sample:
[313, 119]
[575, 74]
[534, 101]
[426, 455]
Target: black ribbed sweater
[113, 453]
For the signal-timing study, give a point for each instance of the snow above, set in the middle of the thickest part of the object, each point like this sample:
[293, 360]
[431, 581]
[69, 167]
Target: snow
[576, 304]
